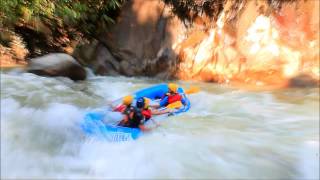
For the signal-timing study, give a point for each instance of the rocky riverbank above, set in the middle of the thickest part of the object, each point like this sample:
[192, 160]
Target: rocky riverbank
[254, 43]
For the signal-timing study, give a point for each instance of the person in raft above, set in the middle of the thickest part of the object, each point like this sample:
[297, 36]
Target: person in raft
[144, 105]
[134, 118]
[126, 103]
[172, 96]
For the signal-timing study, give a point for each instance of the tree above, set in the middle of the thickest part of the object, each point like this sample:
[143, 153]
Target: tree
[85, 16]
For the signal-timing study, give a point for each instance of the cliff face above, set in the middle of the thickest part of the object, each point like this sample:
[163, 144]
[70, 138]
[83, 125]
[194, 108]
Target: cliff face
[139, 44]
[255, 42]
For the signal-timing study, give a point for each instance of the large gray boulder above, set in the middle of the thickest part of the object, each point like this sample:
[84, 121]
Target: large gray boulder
[57, 64]
[97, 57]
[142, 39]
[139, 44]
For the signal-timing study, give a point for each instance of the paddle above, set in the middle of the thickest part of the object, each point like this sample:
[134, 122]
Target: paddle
[174, 105]
[178, 104]
[192, 89]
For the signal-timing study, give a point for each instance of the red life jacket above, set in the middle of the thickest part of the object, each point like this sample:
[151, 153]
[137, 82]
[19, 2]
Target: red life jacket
[147, 113]
[174, 98]
[120, 108]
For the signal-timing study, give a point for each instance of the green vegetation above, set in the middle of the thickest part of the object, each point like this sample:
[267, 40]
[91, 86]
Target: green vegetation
[85, 16]
[189, 9]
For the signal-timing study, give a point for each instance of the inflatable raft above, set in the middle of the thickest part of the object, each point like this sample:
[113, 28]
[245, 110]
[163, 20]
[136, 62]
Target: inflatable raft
[93, 121]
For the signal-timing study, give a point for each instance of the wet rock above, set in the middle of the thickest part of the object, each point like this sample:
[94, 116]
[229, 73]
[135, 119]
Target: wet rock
[126, 68]
[85, 52]
[98, 58]
[303, 81]
[139, 44]
[57, 64]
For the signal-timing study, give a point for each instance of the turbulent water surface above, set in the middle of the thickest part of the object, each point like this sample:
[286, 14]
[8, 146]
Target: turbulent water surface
[228, 133]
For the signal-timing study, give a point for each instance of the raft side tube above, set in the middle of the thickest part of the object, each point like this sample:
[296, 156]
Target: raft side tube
[154, 92]
[93, 125]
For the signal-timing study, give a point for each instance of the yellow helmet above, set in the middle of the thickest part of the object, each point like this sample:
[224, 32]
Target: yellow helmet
[146, 102]
[127, 100]
[173, 87]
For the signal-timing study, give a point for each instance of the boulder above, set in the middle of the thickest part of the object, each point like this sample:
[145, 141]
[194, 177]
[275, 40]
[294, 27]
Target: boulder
[139, 44]
[142, 39]
[97, 57]
[57, 64]
[303, 81]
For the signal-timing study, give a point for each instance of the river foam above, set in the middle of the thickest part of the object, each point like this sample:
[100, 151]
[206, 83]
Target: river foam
[227, 133]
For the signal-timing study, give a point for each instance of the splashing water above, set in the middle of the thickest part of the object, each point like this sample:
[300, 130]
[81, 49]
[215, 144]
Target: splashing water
[227, 133]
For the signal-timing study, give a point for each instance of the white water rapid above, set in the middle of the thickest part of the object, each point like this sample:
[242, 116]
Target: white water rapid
[228, 133]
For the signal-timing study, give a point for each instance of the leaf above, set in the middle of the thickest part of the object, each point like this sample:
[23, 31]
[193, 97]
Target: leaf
[107, 19]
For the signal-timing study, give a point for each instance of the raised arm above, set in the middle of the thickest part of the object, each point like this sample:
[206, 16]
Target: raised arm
[158, 112]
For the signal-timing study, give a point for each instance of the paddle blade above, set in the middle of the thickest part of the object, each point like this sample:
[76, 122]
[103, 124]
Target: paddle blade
[192, 89]
[175, 105]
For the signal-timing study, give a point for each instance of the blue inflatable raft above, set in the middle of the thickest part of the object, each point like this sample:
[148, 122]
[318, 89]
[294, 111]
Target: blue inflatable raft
[93, 121]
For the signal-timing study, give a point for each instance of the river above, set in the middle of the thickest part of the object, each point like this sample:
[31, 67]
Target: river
[228, 133]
